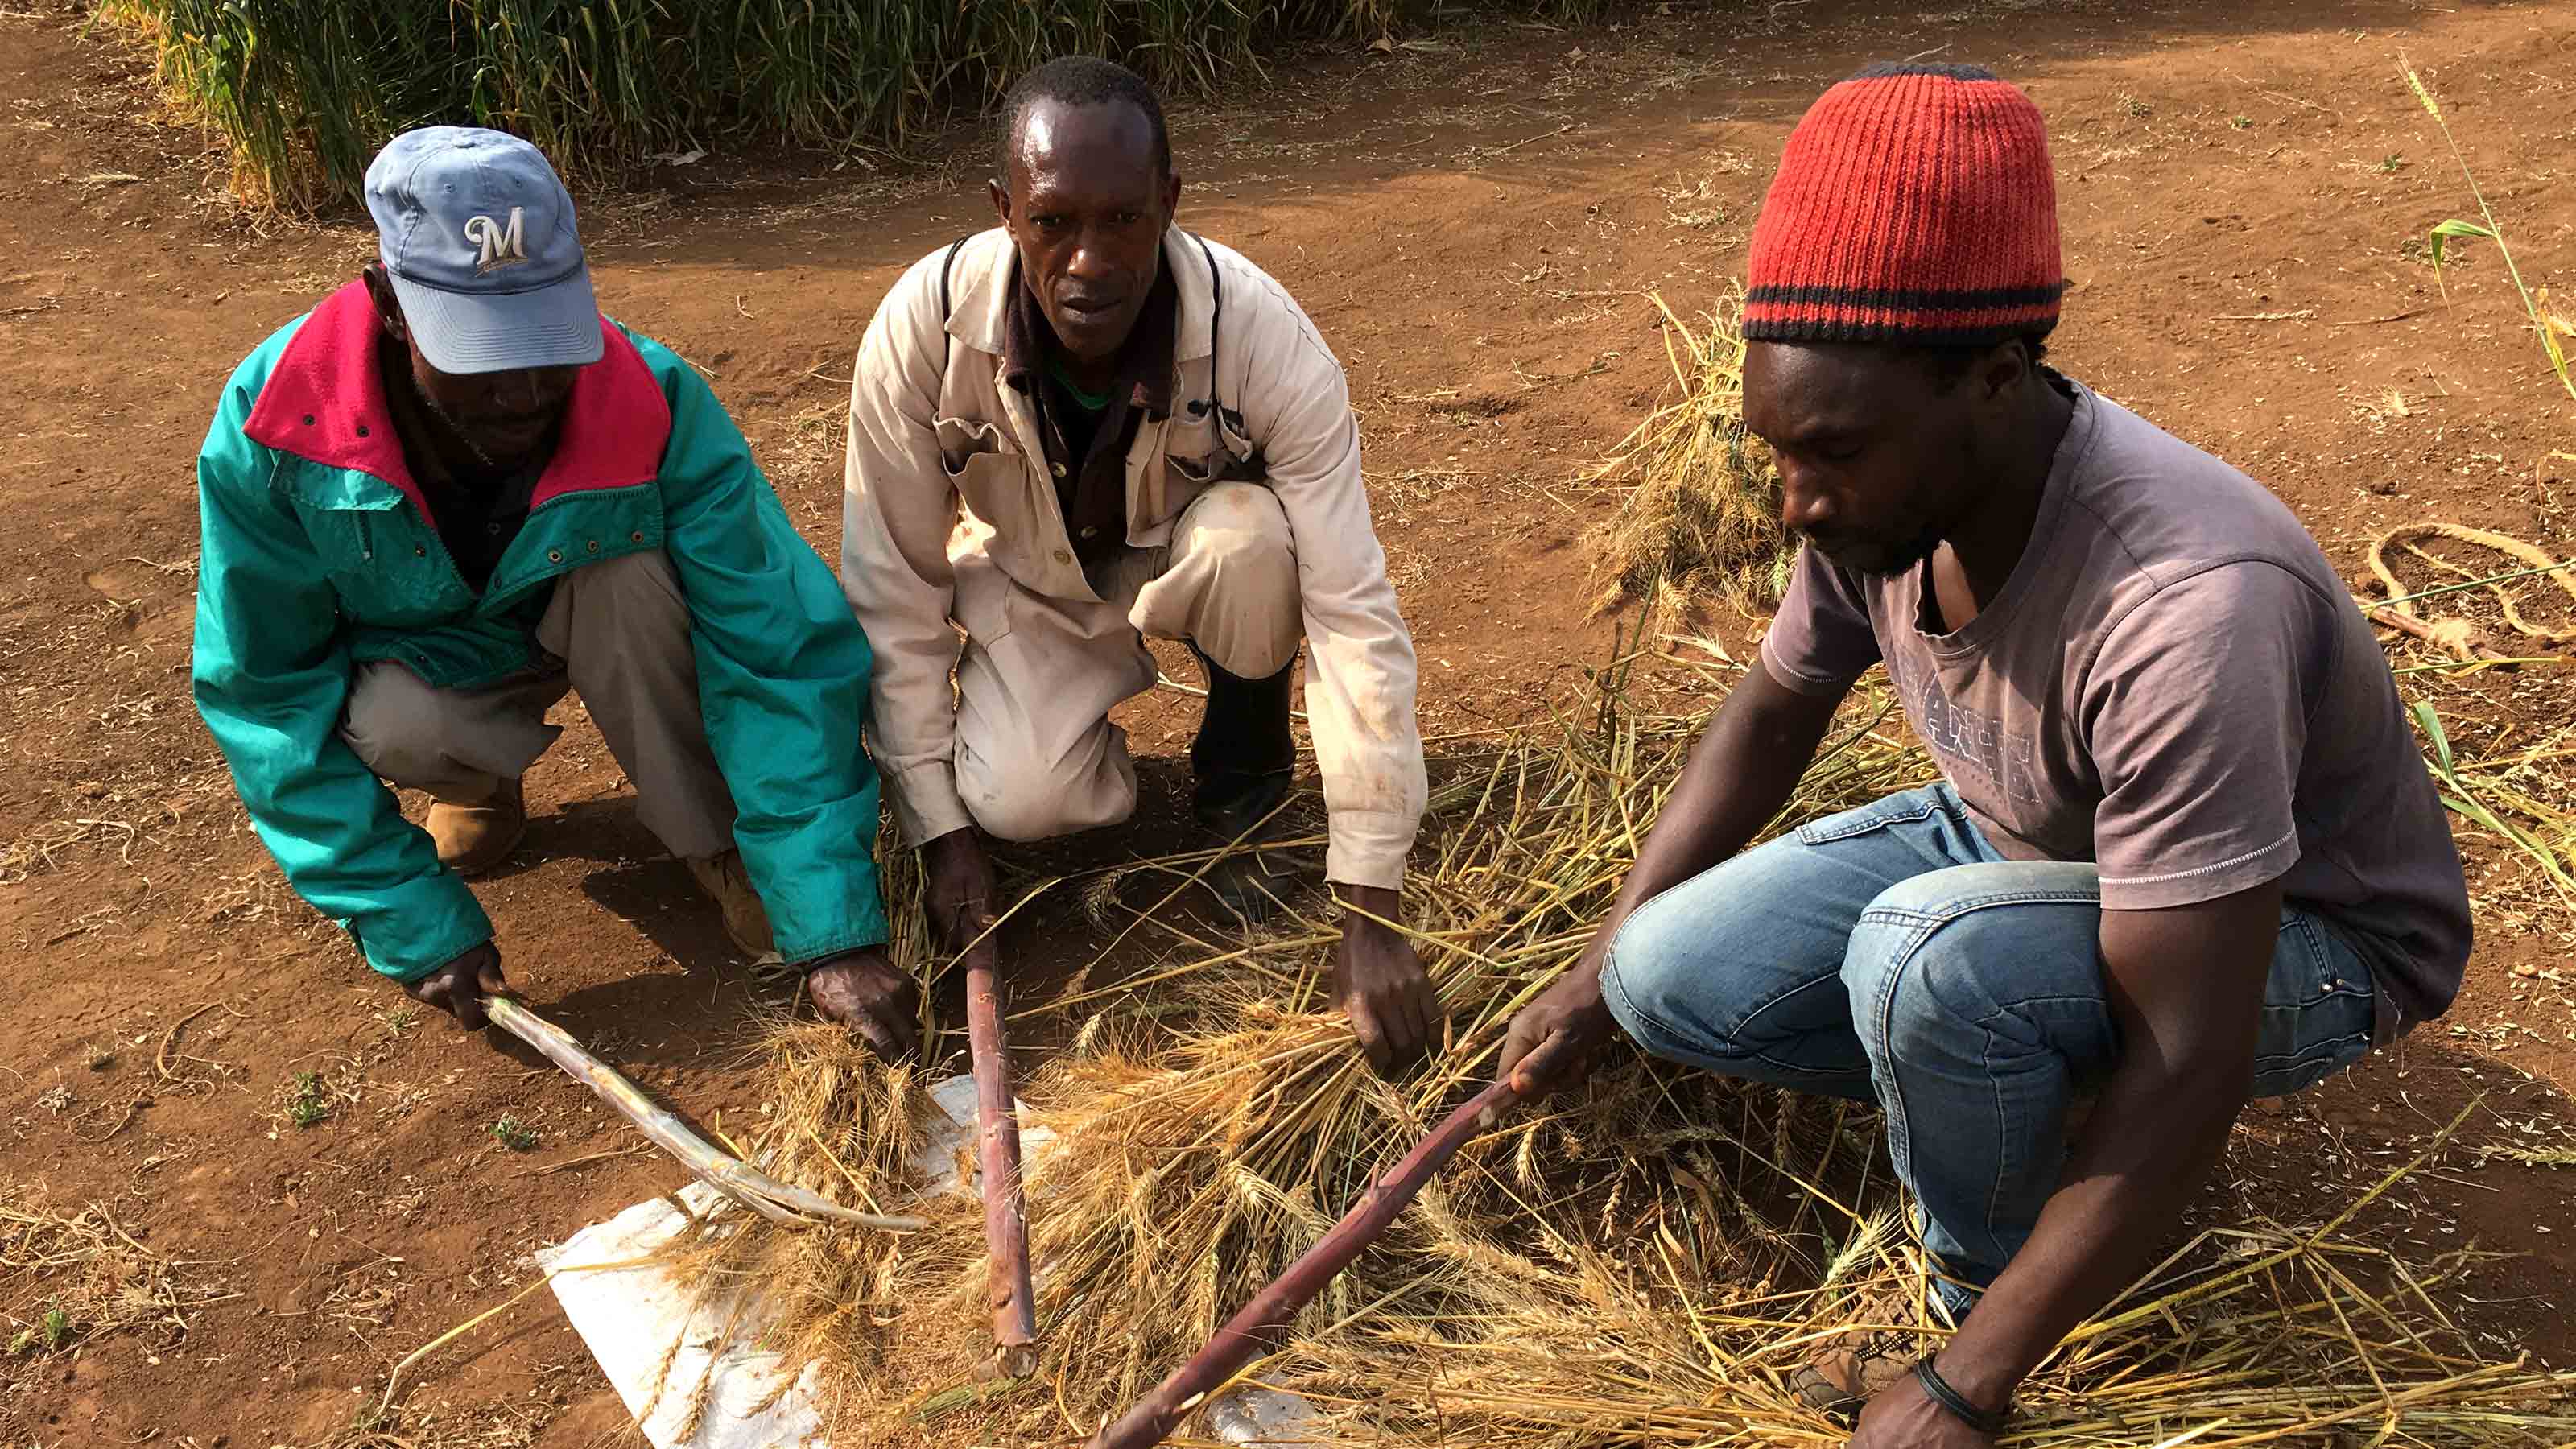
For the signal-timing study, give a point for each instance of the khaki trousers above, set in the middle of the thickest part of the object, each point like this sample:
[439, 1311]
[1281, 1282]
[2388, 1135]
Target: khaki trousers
[1036, 755]
[616, 631]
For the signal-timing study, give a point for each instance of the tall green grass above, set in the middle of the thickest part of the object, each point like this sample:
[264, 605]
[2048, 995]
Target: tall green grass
[306, 90]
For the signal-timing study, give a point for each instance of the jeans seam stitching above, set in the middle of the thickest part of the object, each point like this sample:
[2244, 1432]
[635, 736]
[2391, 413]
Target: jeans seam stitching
[1956, 908]
[1892, 1100]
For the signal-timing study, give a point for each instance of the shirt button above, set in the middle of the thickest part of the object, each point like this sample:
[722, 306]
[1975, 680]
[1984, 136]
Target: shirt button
[308, 420]
[636, 537]
[594, 545]
[554, 555]
[1091, 533]
[362, 430]
[418, 552]
[493, 529]
[1063, 557]
[1059, 470]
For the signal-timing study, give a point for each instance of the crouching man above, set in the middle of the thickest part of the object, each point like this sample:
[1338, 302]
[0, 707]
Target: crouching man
[1085, 427]
[2185, 852]
[450, 493]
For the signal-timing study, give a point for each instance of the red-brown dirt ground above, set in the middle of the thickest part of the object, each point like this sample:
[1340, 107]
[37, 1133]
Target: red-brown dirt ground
[1473, 225]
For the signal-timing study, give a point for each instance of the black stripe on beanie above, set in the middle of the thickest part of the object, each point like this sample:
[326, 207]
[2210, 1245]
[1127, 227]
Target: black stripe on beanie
[1906, 299]
[1759, 329]
[1886, 68]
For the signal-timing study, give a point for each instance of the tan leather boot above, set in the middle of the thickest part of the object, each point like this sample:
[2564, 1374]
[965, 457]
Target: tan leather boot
[1841, 1377]
[475, 835]
[746, 920]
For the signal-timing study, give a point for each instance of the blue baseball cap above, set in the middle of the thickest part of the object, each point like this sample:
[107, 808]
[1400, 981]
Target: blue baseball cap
[478, 236]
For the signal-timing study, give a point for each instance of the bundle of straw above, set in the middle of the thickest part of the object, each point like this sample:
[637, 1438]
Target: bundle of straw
[1699, 521]
[1192, 1161]
[1643, 1261]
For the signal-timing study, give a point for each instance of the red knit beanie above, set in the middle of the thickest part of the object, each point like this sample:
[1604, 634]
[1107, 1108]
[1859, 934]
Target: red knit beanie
[1914, 204]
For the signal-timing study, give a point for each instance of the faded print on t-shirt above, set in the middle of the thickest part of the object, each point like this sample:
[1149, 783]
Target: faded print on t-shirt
[1966, 741]
[2174, 685]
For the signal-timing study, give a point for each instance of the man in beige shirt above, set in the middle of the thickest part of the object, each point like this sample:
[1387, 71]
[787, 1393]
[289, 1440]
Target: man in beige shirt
[1086, 427]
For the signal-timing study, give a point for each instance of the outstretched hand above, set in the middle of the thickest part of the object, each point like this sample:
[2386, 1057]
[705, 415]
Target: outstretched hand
[1379, 983]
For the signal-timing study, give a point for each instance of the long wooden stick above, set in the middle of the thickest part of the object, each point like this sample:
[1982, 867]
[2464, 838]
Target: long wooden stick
[1261, 1324]
[780, 1202]
[997, 1125]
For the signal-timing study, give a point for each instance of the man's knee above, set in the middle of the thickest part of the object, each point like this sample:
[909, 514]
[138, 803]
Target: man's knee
[1975, 958]
[398, 725]
[1232, 587]
[1029, 800]
[1650, 979]
[616, 603]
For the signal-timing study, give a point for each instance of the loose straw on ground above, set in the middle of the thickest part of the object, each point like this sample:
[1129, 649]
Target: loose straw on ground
[1642, 1261]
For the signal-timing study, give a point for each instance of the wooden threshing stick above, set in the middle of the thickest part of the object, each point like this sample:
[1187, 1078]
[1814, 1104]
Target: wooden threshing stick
[997, 1125]
[780, 1202]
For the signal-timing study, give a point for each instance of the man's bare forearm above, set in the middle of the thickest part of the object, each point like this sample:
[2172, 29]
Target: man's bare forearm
[2152, 1140]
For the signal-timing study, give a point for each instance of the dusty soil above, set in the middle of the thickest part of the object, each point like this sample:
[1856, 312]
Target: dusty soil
[1472, 225]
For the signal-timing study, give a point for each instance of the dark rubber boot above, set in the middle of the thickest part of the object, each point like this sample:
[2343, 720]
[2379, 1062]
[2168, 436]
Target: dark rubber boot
[1244, 763]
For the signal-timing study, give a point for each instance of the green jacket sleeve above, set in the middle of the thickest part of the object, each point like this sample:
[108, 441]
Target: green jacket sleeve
[782, 676]
[271, 675]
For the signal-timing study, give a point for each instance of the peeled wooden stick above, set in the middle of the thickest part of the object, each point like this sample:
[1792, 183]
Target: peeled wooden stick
[1260, 1324]
[997, 1123]
[780, 1202]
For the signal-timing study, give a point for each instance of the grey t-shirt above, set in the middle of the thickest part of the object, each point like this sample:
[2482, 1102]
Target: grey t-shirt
[2174, 685]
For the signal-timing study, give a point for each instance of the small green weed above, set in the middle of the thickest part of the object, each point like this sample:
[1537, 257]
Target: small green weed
[514, 1134]
[2242, 123]
[309, 1103]
[2135, 107]
[51, 1333]
[2393, 162]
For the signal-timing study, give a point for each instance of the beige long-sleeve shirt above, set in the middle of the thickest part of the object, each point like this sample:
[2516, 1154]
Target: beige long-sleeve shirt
[927, 409]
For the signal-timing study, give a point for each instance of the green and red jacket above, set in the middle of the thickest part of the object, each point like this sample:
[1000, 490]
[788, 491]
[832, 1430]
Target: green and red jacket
[320, 554]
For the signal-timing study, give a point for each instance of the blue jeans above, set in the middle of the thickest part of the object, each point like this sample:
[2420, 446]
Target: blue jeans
[1890, 954]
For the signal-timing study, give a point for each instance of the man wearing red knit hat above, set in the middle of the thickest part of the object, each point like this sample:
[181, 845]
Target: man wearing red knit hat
[2184, 852]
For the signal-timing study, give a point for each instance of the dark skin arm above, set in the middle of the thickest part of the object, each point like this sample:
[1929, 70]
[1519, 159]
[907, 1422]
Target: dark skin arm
[2186, 986]
[1379, 981]
[1739, 775]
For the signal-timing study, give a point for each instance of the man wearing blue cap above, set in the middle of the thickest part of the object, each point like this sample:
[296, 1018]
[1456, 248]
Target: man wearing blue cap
[452, 492]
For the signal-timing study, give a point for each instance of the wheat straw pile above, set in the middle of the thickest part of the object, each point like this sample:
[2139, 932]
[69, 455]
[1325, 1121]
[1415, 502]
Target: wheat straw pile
[1699, 512]
[1641, 1262]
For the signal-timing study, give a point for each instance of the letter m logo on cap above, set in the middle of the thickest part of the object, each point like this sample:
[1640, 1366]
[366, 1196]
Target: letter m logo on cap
[497, 246]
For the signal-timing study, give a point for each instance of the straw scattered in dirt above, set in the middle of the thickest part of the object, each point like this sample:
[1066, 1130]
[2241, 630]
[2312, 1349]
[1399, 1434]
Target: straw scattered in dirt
[68, 1275]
